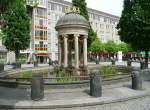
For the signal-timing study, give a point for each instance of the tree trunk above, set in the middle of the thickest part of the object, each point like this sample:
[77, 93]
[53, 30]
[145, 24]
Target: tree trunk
[16, 55]
[146, 58]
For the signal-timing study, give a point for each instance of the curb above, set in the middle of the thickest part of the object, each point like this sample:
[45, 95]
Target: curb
[76, 105]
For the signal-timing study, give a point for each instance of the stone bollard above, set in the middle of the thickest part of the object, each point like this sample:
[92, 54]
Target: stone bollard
[17, 65]
[95, 85]
[113, 62]
[129, 62]
[37, 87]
[97, 61]
[1, 67]
[142, 65]
[136, 80]
[35, 64]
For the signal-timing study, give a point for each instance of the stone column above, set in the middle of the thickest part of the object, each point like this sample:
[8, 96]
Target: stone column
[59, 51]
[69, 53]
[85, 50]
[65, 51]
[76, 44]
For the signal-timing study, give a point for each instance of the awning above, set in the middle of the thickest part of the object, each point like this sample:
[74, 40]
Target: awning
[143, 53]
[41, 54]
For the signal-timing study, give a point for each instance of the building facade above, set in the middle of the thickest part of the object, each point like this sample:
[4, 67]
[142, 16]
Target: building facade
[44, 41]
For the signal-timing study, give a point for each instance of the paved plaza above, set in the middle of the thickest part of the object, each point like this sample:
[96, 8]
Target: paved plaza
[115, 97]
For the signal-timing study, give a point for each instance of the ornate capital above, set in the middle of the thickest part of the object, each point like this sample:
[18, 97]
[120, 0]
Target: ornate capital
[76, 35]
[85, 36]
[65, 35]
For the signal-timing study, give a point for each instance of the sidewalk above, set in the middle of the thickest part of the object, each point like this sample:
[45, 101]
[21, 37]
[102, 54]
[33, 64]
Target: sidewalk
[69, 98]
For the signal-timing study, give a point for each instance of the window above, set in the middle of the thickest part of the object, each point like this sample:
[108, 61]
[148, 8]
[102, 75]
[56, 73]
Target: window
[55, 7]
[96, 25]
[101, 26]
[41, 44]
[40, 11]
[52, 6]
[56, 17]
[93, 16]
[91, 23]
[107, 26]
[49, 5]
[40, 22]
[41, 33]
[36, 45]
[63, 8]
[37, 33]
[99, 18]
[105, 19]
[60, 8]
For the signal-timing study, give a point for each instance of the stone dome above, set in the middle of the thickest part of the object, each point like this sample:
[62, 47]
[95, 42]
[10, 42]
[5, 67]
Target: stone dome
[72, 19]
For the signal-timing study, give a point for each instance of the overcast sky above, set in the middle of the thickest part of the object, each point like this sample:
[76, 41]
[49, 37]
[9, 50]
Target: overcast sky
[110, 6]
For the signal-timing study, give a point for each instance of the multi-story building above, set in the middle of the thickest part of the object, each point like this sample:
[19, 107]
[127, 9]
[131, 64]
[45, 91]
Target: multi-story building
[44, 42]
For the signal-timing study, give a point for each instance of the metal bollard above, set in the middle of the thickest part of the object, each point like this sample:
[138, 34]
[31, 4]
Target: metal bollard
[142, 65]
[97, 61]
[37, 87]
[17, 65]
[1, 67]
[136, 80]
[35, 64]
[95, 85]
[113, 62]
[129, 63]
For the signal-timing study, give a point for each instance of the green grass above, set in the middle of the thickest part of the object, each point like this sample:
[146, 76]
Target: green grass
[27, 74]
[63, 77]
[108, 71]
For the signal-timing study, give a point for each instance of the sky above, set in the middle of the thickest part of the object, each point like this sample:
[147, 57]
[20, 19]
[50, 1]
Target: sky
[109, 6]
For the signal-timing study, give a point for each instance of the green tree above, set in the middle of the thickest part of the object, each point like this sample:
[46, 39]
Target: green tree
[111, 47]
[4, 5]
[83, 11]
[123, 47]
[97, 46]
[1, 35]
[82, 6]
[16, 28]
[134, 25]
[91, 37]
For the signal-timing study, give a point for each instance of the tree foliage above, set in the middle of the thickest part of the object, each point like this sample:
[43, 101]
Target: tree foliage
[97, 46]
[134, 25]
[83, 11]
[82, 6]
[1, 35]
[123, 47]
[4, 4]
[91, 37]
[111, 46]
[16, 27]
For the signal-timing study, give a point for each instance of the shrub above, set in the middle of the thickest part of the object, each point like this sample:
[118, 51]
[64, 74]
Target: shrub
[27, 74]
[65, 77]
[108, 71]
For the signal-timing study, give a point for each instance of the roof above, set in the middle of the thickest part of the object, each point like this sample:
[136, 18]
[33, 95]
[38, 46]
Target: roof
[70, 19]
